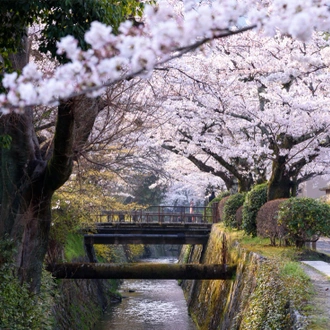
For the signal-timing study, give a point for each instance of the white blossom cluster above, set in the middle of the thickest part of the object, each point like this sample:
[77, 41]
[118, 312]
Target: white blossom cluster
[293, 17]
[165, 34]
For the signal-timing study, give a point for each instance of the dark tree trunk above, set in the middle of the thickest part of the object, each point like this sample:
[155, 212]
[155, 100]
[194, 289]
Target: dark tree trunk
[280, 184]
[245, 183]
[28, 178]
[27, 185]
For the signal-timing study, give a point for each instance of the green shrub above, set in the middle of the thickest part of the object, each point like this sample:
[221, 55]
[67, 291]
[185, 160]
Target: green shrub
[215, 200]
[231, 206]
[110, 253]
[21, 309]
[134, 252]
[253, 201]
[221, 206]
[219, 197]
[305, 219]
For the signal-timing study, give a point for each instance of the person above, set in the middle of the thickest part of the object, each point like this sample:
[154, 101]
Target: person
[191, 210]
[212, 196]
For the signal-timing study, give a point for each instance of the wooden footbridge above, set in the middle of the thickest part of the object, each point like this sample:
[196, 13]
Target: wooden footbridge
[154, 225]
[149, 233]
[160, 225]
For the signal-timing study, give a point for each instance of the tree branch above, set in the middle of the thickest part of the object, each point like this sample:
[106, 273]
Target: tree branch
[60, 165]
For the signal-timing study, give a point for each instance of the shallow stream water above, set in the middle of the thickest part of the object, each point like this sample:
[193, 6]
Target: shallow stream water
[149, 305]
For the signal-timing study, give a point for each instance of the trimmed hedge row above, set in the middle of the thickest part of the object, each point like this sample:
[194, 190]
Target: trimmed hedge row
[294, 220]
[266, 222]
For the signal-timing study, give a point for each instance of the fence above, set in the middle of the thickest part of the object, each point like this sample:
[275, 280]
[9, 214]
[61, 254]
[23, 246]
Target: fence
[168, 214]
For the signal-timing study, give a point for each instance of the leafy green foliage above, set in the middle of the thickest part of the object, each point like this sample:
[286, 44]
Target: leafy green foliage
[221, 206]
[15, 16]
[233, 203]
[20, 309]
[73, 17]
[110, 253]
[219, 197]
[115, 253]
[80, 201]
[5, 141]
[64, 221]
[253, 202]
[59, 18]
[305, 219]
[216, 200]
[146, 192]
[134, 252]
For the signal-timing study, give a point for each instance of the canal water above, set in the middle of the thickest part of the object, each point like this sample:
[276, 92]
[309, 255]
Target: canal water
[149, 305]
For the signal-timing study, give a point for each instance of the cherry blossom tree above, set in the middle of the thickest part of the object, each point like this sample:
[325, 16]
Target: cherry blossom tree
[168, 31]
[291, 115]
[186, 182]
[254, 109]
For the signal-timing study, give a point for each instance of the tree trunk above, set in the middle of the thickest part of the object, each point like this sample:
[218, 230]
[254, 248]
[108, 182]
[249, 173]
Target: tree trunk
[28, 179]
[27, 185]
[245, 183]
[280, 184]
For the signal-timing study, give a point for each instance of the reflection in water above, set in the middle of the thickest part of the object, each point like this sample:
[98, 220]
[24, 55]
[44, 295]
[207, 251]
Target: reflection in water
[149, 305]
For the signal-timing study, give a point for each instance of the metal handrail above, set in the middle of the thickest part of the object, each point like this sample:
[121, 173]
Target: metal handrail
[162, 213]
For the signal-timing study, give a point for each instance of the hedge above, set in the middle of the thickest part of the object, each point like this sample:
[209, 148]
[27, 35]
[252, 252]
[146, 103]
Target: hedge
[253, 202]
[233, 203]
[266, 221]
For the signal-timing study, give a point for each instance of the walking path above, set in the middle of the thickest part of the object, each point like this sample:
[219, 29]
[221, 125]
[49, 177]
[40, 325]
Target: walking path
[322, 245]
[319, 273]
[321, 266]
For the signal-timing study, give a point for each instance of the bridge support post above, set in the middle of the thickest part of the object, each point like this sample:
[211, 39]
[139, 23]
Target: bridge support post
[89, 248]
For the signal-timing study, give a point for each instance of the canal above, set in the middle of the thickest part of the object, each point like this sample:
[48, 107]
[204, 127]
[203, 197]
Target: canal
[149, 305]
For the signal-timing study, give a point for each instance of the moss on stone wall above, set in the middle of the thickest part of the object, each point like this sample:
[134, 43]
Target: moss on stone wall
[82, 302]
[254, 300]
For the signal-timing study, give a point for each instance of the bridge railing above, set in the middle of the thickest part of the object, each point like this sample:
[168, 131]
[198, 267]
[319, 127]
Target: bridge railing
[163, 213]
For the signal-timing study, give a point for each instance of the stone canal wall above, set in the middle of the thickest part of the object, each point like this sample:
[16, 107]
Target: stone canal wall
[241, 303]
